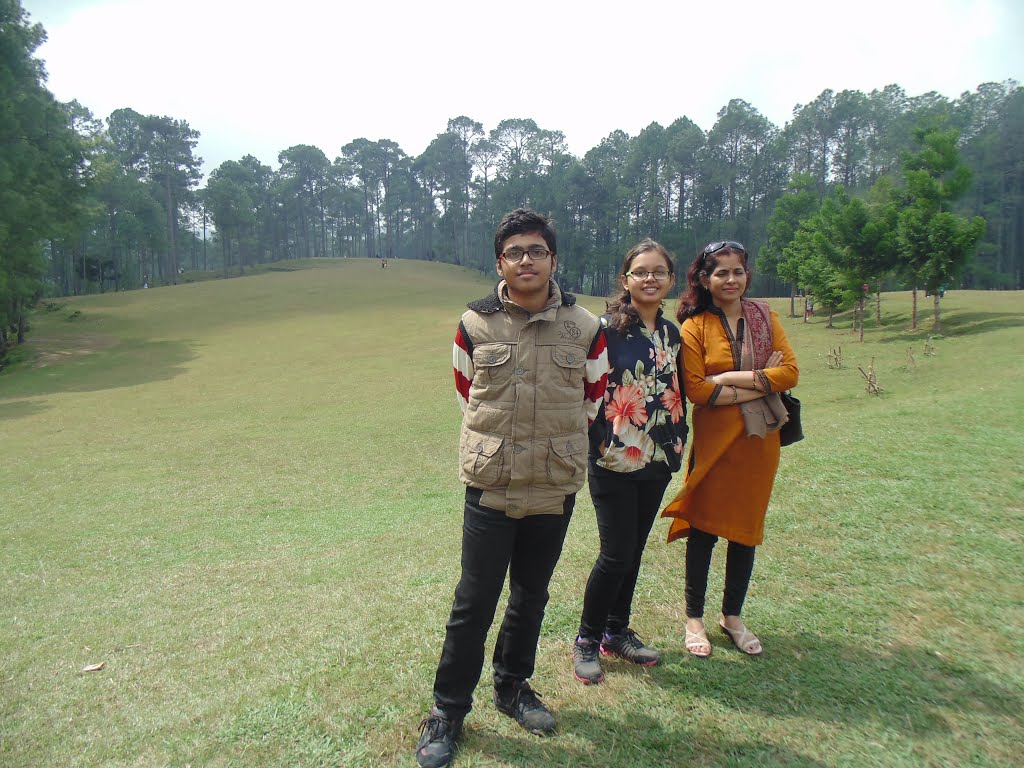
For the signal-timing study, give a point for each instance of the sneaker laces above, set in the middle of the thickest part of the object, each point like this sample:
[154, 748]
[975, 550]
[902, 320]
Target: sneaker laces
[587, 650]
[528, 698]
[631, 639]
[434, 725]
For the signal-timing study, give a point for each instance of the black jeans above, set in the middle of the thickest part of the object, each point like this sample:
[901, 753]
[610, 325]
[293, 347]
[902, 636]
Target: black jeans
[626, 506]
[493, 544]
[739, 564]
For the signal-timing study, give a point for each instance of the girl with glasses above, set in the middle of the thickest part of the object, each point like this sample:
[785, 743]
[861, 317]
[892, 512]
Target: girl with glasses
[735, 360]
[636, 444]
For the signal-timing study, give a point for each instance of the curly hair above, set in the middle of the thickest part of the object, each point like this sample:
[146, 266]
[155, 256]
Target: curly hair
[620, 307]
[696, 298]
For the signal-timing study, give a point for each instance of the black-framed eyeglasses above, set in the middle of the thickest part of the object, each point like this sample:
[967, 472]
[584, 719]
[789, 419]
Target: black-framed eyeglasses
[712, 248]
[515, 255]
[661, 275]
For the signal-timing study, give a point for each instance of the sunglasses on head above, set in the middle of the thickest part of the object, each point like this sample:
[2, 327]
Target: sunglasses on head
[712, 248]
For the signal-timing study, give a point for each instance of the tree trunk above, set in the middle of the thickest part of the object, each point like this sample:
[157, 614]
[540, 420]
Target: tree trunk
[172, 254]
[323, 226]
[913, 310]
[205, 262]
[113, 247]
[878, 306]
[937, 325]
[81, 271]
[861, 313]
[829, 319]
[792, 301]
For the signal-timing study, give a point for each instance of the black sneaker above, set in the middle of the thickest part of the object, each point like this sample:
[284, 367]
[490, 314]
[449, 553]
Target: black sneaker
[585, 663]
[631, 648]
[437, 740]
[520, 702]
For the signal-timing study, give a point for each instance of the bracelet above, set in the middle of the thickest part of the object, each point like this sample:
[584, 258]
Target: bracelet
[735, 396]
[753, 380]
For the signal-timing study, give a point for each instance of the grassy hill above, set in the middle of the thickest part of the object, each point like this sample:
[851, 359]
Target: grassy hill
[241, 497]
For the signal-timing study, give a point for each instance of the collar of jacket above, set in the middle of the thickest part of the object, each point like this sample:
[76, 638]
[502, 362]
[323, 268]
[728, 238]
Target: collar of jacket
[492, 303]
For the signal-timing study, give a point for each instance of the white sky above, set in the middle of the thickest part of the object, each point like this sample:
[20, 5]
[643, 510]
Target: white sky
[258, 77]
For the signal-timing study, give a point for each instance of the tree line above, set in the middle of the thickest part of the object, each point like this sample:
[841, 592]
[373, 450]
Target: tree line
[93, 205]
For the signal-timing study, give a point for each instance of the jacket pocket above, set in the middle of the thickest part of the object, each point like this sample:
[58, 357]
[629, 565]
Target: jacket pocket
[571, 362]
[493, 362]
[482, 458]
[567, 459]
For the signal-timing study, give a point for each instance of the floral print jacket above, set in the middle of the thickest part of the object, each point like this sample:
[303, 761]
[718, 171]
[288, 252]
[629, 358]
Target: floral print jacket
[643, 416]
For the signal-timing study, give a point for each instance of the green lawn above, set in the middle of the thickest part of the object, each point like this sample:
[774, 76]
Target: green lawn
[241, 496]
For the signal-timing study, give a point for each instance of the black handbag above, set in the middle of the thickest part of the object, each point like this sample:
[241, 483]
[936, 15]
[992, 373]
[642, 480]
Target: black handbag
[792, 431]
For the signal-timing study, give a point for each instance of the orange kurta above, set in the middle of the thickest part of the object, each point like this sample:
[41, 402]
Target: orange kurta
[730, 476]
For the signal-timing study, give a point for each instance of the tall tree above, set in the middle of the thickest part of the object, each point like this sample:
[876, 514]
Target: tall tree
[516, 139]
[174, 169]
[468, 133]
[230, 199]
[40, 168]
[685, 142]
[863, 239]
[808, 261]
[304, 170]
[849, 157]
[798, 204]
[938, 243]
[812, 137]
[991, 124]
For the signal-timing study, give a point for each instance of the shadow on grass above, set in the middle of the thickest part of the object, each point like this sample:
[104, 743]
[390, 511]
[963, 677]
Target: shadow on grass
[635, 739]
[909, 689]
[16, 409]
[967, 323]
[126, 364]
[895, 326]
[953, 324]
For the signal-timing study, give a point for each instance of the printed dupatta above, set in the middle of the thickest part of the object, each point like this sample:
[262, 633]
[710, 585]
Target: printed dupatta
[766, 414]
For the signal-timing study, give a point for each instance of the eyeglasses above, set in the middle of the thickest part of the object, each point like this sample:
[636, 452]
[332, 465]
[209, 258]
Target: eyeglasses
[536, 253]
[712, 248]
[640, 275]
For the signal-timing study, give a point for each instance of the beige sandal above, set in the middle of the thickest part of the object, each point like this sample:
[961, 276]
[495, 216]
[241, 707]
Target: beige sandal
[743, 639]
[697, 642]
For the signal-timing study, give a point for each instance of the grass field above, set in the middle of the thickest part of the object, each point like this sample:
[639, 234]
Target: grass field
[241, 497]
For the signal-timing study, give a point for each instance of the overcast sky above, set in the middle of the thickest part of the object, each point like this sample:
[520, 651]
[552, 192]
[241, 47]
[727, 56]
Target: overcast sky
[258, 77]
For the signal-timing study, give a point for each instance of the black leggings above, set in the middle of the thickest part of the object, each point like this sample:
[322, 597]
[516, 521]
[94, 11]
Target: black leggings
[626, 504]
[739, 564]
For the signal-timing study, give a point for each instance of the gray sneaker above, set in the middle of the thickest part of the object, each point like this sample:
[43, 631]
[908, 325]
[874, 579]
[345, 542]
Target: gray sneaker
[520, 702]
[437, 740]
[586, 665]
[629, 647]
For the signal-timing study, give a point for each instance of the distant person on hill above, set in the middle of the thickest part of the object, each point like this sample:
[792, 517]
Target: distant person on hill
[736, 360]
[636, 443]
[530, 370]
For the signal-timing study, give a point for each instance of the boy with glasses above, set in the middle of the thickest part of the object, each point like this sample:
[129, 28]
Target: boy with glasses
[530, 372]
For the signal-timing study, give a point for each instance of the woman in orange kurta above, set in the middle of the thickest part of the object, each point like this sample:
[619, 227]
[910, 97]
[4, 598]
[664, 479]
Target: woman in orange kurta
[735, 361]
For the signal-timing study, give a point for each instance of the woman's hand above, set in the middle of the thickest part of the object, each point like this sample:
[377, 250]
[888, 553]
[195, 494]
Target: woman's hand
[774, 359]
